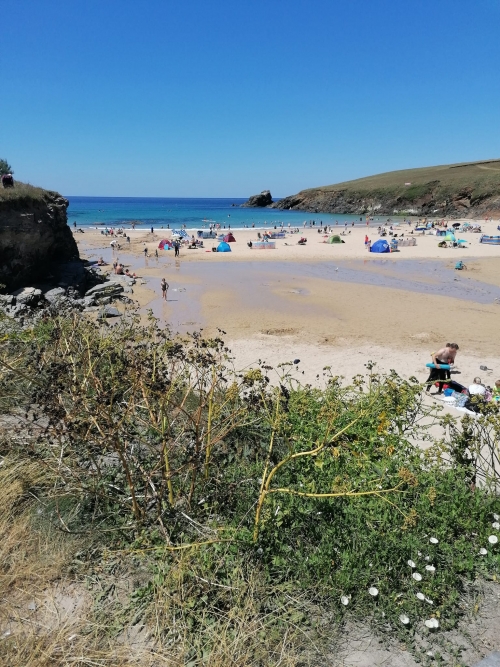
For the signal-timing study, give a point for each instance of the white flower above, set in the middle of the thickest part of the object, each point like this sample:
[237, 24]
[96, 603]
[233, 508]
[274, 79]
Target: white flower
[345, 600]
[419, 553]
[496, 517]
[434, 540]
[429, 601]
[492, 539]
[483, 551]
[427, 557]
[496, 525]
[404, 619]
[373, 591]
[432, 623]
[411, 563]
[430, 568]
[421, 596]
[417, 576]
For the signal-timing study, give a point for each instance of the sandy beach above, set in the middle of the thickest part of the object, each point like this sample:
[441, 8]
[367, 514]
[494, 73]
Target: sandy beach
[329, 305]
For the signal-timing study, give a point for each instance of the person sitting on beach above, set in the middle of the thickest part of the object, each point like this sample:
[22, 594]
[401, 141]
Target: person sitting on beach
[445, 356]
[119, 269]
[477, 388]
[101, 262]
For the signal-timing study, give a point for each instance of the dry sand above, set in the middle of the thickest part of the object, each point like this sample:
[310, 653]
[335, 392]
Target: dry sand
[329, 305]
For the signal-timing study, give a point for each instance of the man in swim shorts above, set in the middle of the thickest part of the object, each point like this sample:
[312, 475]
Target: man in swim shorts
[444, 356]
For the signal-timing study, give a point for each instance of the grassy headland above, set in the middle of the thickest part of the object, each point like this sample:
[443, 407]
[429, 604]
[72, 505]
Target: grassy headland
[466, 189]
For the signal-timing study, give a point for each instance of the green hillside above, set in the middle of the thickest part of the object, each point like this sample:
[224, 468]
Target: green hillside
[484, 176]
[467, 188]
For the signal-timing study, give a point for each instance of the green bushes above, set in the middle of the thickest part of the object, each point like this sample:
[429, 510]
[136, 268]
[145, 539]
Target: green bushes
[220, 481]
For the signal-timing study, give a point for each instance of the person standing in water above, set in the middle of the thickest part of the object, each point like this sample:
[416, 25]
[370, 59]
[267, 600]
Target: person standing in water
[164, 287]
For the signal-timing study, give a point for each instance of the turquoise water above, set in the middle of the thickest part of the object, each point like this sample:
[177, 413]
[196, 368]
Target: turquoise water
[174, 213]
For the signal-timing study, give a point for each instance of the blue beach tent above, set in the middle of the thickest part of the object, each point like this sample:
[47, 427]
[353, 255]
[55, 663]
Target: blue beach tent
[380, 246]
[223, 247]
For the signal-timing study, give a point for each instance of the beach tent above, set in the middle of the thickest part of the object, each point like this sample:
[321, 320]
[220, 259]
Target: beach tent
[491, 240]
[163, 243]
[450, 237]
[380, 246]
[223, 247]
[229, 238]
[180, 232]
[335, 239]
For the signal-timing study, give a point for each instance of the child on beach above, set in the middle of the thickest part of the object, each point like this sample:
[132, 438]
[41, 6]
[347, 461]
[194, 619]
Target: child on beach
[164, 288]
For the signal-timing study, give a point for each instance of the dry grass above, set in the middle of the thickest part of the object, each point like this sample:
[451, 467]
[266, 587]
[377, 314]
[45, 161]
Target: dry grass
[47, 616]
[22, 193]
[44, 617]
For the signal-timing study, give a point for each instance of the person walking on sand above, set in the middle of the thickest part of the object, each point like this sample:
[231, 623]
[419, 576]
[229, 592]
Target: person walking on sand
[445, 356]
[145, 252]
[176, 248]
[164, 288]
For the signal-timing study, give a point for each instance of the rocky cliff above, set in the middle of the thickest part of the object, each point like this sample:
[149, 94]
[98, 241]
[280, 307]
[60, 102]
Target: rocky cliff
[259, 201]
[34, 235]
[469, 190]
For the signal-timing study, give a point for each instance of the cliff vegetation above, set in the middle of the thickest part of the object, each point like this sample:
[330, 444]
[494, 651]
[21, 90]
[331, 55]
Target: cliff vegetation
[195, 515]
[469, 189]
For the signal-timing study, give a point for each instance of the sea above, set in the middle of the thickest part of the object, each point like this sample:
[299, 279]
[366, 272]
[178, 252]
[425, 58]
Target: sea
[176, 213]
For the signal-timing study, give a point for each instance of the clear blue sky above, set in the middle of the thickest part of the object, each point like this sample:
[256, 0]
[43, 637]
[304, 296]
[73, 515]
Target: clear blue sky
[226, 98]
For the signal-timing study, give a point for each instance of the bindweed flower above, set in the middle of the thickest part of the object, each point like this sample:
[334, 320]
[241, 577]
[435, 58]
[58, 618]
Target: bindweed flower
[417, 576]
[429, 601]
[373, 591]
[427, 557]
[345, 600]
[492, 539]
[404, 619]
[411, 563]
[483, 551]
[420, 596]
[495, 525]
[496, 517]
[434, 540]
[430, 568]
[432, 623]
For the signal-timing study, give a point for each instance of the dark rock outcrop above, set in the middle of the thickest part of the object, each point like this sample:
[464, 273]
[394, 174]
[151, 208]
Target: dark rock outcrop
[34, 235]
[259, 201]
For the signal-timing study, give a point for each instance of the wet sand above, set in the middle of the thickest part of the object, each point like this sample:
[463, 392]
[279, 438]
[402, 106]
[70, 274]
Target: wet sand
[394, 309]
